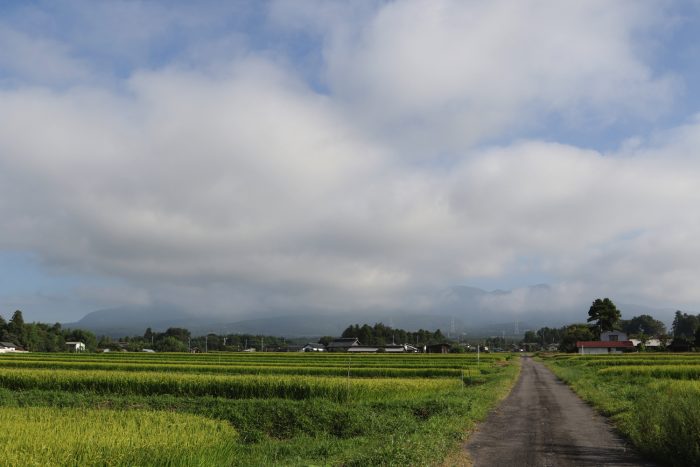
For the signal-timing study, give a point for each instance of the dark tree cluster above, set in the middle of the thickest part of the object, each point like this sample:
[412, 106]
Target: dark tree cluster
[380, 334]
[643, 325]
[42, 337]
[686, 331]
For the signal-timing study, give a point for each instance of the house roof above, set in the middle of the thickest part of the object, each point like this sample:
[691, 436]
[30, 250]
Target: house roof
[315, 345]
[344, 342]
[363, 348]
[7, 344]
[605, 344]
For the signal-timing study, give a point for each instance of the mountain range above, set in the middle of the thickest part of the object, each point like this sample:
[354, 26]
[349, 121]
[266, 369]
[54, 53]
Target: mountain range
[459, 311]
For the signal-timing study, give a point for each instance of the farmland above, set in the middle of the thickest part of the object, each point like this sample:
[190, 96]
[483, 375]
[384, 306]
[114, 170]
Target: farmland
[653, 399]
[244, 409]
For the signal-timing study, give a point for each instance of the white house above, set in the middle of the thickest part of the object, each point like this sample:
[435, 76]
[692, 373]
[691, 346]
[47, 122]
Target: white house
[75, 346]
[650, 343]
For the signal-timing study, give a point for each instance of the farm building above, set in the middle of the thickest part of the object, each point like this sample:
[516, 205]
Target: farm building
[343, 344]
[7, 347]
[314, 347]
[603, 347]
[438, 348]
[653, 343]
[75, 346]
[363, 349]
[400, 348]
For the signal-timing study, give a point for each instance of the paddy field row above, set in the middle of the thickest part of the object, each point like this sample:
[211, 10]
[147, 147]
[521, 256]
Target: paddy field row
[245, 409]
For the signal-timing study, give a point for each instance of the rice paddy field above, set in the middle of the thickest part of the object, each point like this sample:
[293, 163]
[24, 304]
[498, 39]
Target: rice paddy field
[245, 409]
[653, 399]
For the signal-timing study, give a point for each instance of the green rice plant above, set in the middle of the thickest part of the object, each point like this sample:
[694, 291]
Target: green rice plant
[654, 371]
[40, 436]
[655, 406]
[243, 386]
[336, 370]
[666, 422]
[280, 419]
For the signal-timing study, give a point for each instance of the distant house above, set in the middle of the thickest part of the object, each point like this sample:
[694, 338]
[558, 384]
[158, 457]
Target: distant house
[653, 343]
[613, 336]
[314, 347]
[395, 348]
[75, 346]
[603, 347]
[400, 348]
[363, 349]
[343, 344]
[438, 348]
[6, 347]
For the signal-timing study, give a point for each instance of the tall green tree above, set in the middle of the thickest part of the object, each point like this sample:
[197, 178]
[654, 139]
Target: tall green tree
[572, 334]
[604, 313]
[643, 324]
[684, 325]
[16, 329]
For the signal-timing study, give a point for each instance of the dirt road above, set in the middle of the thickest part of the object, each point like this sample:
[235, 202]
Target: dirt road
[543, 423]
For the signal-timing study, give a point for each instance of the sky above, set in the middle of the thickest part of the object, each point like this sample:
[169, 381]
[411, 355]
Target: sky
[250, 157]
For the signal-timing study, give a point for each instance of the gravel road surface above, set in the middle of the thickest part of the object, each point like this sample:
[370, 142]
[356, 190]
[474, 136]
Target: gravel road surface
[543, 423]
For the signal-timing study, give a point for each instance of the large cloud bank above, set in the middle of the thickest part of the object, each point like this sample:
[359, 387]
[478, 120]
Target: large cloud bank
[418, 150]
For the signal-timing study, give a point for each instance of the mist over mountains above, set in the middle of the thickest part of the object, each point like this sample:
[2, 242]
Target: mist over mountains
[458, 311]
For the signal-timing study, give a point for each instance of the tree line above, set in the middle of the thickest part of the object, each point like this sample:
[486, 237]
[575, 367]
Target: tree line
[603, 316]
[42, 337]
[380, 335]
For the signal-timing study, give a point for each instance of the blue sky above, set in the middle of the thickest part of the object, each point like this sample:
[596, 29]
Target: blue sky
[266, 157]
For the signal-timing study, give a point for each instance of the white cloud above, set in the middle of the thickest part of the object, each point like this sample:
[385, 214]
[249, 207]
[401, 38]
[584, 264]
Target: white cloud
[246, 190]
[447, 74]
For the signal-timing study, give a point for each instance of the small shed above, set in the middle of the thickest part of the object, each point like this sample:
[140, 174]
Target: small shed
[75, 346]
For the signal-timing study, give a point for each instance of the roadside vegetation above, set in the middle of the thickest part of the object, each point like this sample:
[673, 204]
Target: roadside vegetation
[653, 399]
[120, 409]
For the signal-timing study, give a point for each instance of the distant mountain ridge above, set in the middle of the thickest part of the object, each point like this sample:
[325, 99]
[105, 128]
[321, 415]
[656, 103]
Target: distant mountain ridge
[459, 310]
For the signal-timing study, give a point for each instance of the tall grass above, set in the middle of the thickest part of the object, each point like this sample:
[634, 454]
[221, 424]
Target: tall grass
[41, 436]
[654, 401]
